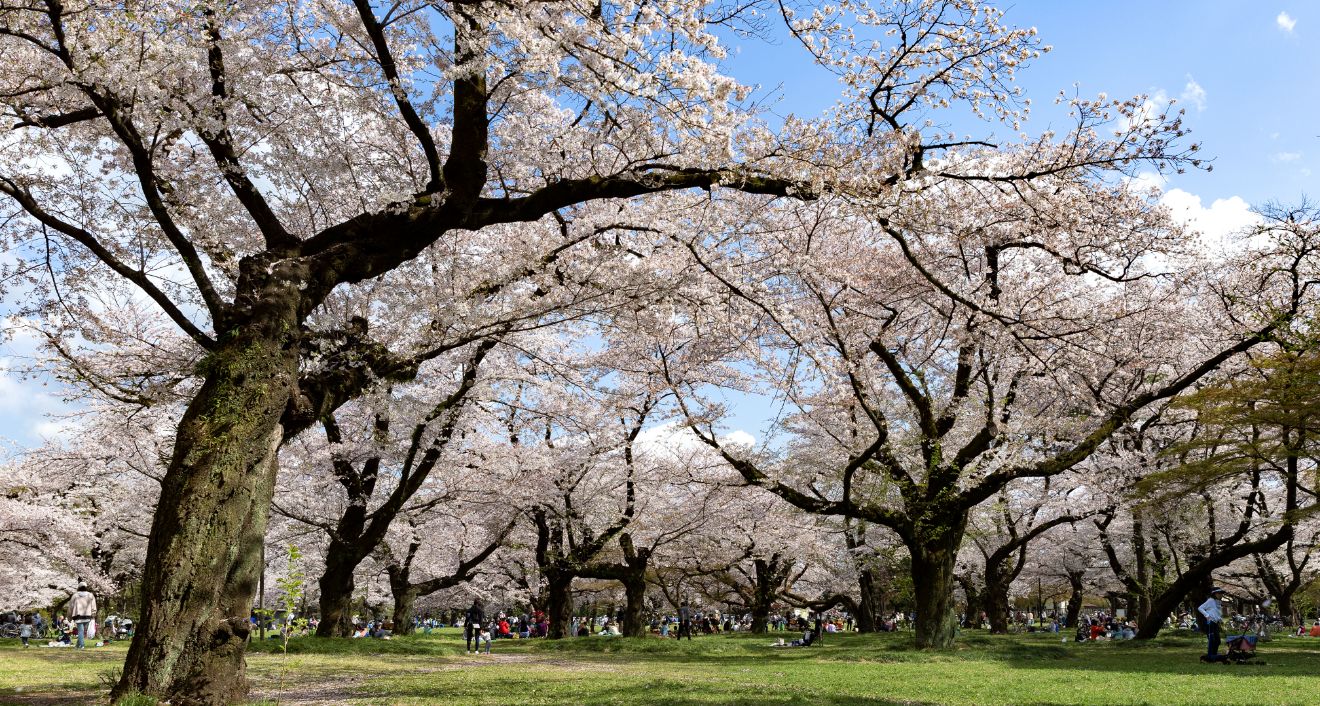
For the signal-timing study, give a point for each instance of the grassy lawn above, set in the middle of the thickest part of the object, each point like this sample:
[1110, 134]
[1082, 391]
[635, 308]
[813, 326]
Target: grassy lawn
[736, 669]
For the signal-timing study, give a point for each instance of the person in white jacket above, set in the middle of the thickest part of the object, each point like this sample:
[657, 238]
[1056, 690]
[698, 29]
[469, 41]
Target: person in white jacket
[83, 609]
[1214, 615]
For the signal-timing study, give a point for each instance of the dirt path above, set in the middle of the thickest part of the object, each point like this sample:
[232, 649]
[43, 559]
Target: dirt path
[327, 690]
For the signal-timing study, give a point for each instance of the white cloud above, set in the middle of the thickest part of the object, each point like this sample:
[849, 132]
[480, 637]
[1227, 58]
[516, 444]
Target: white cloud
[1193, 93]
[1286, 22]
[54, 429]
[1285, 156]
[679, 440]
[1147, 182]
[1217, 223]
[30, 406]
[738, 437]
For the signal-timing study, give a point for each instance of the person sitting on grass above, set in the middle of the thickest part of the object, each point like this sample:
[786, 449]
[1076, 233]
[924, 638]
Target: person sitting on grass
[807, 638]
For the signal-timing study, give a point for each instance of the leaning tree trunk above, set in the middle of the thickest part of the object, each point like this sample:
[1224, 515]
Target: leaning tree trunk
[203, 553]
[559, 604]
[1197, 580]
[934, 555]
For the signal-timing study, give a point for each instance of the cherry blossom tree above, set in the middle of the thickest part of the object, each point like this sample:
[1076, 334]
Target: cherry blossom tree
[374, 496]
[440, 565]
[238, 165]
[1002, 533]
[936, 355]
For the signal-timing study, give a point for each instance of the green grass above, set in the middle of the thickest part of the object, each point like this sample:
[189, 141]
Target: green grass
[733, 669]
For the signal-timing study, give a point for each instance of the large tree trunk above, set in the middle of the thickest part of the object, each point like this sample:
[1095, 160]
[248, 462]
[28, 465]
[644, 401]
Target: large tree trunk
[1283, 606]
[971, 586]
[634, 590]
[769, 575]
[203, 554]
[933, 582]
[403, 611]
[336, 601]
[866, 602]
[1075, 598]
[559, 604]
[995, 600]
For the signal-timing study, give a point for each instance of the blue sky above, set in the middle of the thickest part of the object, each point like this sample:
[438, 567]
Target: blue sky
[1256, 66]
[1245, 72]
[1248, 75]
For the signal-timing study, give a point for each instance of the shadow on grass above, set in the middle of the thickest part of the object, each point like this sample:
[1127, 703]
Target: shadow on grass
[1175, 654]
[667, 693]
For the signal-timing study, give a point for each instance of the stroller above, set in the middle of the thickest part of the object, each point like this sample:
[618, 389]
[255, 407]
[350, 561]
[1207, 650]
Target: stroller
[1241, 649]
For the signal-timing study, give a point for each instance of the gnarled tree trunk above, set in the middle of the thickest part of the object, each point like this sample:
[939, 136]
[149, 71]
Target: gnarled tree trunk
[971, 586]
[559, 604]
[634, 590]
[995, 600]
[769, 581]
[203, 555]
[933, 582]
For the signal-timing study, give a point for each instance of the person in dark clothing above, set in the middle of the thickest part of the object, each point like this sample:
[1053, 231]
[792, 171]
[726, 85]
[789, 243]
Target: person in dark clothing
[685, 622]
[820, 627]
[473, 621]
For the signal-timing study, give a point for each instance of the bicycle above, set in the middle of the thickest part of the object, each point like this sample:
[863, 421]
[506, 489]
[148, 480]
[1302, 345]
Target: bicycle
[9, 630]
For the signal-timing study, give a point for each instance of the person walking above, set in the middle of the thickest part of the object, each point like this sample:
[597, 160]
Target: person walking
[474, 619]
[83, 608]
[685, 621]
[25, 631]
[1214, 615]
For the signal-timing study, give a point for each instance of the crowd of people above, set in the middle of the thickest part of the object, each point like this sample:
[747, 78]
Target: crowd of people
[481, 629]
[75, 630]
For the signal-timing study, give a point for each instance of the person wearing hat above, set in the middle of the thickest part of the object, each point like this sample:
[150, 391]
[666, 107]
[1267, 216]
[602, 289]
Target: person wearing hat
[1214, 615]
[83, 608]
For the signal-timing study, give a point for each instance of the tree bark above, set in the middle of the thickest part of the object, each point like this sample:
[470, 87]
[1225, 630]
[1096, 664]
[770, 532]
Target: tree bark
[1076, 597]
[403, 609]
[866, 601]
[933, 582]
[559, 604]
[634, 590]
[202, 564]
[995, 600]
[1199, 576]
[336, 602]
[770, 577]
[762, 597]
[975, 597]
